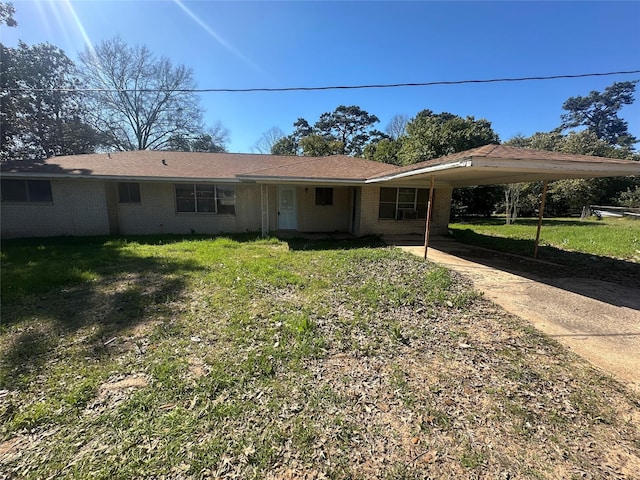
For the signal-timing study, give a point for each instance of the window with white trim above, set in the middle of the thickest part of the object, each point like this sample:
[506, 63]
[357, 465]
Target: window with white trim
[30, 191]
[403, 203]
[201, 198]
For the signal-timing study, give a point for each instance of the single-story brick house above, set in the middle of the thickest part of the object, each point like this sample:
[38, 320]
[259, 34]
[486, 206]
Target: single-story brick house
[150, 192]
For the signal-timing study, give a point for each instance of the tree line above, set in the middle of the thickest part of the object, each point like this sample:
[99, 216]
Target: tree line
[591, 125]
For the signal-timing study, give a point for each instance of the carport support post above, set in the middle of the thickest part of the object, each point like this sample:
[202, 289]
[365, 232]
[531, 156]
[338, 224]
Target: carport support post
[428, 225]
[540, 215]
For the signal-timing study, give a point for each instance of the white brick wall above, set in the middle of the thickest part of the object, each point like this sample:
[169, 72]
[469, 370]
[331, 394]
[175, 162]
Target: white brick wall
[156, 213]
[78, 208]
[328, 218]
[371, 224]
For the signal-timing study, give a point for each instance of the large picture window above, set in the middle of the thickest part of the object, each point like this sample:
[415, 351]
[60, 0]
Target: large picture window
[26, 190]
[403, 203]
[196, 198]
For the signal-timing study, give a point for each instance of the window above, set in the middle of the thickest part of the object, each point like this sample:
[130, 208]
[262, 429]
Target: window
[324, 196]
[225, 200]
[403, 203]
[129, 192]
[197, 198]
[26, 190]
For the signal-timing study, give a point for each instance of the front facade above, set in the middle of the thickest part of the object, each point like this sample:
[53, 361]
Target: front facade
[42, 202]
[155, 192]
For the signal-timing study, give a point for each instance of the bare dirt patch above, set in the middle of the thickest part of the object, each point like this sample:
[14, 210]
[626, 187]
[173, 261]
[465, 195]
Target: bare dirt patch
[130, 382]
[115, 391]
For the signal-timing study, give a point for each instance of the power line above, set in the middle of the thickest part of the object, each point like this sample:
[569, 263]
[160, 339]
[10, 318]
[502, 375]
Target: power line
[310, 89]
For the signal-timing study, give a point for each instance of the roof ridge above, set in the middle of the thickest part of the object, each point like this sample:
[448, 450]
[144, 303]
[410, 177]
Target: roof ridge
[301, 160]
[494, 145]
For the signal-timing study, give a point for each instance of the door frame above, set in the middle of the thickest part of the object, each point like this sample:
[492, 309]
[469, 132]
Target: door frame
[293, 224]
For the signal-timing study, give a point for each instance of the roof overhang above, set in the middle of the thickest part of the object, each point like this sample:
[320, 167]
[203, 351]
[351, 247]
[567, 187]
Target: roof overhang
[269, 180]
[116, 178]
[486, 165]
[494, 171]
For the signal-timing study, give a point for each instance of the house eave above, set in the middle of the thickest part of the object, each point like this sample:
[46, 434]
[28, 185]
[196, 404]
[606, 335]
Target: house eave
[300, 180]
[494, 171]
[421, 171]
[118, 178]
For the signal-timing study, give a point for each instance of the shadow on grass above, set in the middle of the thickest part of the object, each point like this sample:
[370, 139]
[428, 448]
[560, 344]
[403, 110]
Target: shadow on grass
[532, 222]
[329, 242]
[556, 267]
[52, 288]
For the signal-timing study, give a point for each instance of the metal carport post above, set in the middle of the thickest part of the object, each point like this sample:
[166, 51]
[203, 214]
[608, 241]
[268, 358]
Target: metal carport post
[428, 223]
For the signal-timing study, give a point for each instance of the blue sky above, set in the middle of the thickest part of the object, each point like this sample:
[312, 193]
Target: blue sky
[282, 44]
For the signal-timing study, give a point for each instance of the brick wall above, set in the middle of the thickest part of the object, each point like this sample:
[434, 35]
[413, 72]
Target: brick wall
[156, 213]
[371, 224]
[78, 208]
[326, 218]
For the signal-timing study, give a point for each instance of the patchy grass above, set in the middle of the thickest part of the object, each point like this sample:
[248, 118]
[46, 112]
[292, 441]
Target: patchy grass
[248, 358]
[610, 237]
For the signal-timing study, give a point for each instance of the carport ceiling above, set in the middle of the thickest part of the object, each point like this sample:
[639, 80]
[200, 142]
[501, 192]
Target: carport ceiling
[499, 164]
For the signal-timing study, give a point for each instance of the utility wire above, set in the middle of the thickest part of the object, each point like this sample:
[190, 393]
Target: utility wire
[310, 89]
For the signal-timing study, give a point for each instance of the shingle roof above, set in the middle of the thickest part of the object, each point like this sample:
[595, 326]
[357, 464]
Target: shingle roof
[336, 167]
[489, 164]
[506, 152]
[209, 166]
[501, 164]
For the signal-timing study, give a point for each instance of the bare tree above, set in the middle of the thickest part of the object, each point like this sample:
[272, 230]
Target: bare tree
[397, 126]
[512, 201]
[139, 101]
[219, 133]
[213, 139]
[267, 140]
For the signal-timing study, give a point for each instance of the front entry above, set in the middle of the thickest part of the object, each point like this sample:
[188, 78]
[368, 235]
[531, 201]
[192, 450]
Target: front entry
[287, 211]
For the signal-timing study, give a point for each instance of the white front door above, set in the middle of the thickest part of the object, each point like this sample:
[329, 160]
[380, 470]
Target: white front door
[287, 212]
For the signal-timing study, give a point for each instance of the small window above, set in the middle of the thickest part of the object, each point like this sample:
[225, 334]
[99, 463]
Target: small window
[26, 191]
[324, 196]
[129, 192]
[205, 199]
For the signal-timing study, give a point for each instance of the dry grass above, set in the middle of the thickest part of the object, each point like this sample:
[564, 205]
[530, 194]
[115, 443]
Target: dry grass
[261, 359]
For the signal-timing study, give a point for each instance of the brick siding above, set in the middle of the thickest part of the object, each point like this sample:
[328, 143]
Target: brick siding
[87, 207]
[371, 224]
[325, 218]
[156, 213]
[78, 208]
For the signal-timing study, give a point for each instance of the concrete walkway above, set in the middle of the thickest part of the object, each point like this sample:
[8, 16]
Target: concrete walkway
[598, 320]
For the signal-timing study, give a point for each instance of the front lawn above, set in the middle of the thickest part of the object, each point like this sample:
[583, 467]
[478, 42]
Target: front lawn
[248, 358]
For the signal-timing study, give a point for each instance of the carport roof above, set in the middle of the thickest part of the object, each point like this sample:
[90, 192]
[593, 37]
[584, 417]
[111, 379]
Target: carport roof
[500, 164]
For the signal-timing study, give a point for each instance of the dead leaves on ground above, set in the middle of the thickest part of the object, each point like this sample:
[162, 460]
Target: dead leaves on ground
[410, 380]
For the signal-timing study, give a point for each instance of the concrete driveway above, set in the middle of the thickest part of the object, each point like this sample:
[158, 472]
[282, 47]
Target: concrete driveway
[599, 320]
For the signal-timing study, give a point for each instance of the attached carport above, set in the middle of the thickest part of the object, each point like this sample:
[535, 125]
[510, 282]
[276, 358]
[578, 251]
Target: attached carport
[501, 164]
